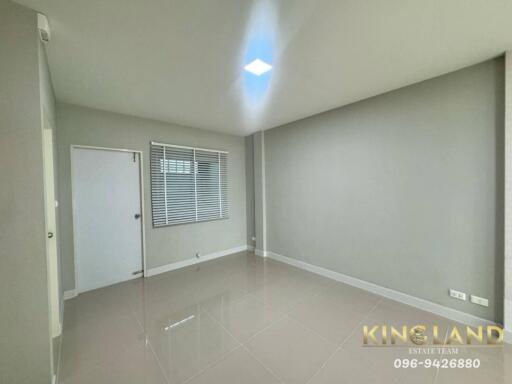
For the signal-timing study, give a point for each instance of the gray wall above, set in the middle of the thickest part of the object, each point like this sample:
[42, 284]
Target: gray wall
[46, 89]
[260, 220]
[404, 190]
[84, 126]
[249, 188]
[48, 110]
[24, 320]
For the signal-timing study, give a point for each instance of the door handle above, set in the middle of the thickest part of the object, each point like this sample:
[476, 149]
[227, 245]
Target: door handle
[137, 216]
[50, 235]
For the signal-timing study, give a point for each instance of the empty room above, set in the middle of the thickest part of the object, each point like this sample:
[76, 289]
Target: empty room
[255, 192]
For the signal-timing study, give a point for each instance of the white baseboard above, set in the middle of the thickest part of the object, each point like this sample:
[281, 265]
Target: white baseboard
[70, 294]
[261, 253]
[416, 302]
[188, 262]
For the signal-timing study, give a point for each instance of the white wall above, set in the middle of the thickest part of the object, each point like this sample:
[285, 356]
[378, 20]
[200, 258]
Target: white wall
[260, 214]
[165, 245]
[508, 196]
[249, 188]
[25, 340]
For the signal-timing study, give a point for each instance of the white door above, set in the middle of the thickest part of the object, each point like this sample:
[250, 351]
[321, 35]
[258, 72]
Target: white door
[106, 217]
[51, 229]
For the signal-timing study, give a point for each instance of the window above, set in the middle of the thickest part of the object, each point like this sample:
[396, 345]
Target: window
[174, 166]
[187, 184]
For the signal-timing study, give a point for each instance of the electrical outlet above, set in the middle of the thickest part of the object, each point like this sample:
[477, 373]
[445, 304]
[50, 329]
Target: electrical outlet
[253, 238]
[479, 300]
[457, 295]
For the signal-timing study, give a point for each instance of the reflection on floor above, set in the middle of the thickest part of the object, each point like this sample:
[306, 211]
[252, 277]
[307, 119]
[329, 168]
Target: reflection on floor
[244, 319]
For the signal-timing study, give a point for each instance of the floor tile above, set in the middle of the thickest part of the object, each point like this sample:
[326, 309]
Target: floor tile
[133, 366]
[499, 359]
[187, 326]
[91, 342]
[495, 365]
[355, 299]
[188, 341]
[283, 295]
[333, 321]
[166, 297]
[382, 360]
[291, 351]
[470, 376]
[236, 368]
[391, 313]
[243, 318]
[346, 367]
[104, 304]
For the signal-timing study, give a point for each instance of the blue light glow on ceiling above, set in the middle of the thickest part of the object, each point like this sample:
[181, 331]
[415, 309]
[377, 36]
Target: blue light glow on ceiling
[259, 46]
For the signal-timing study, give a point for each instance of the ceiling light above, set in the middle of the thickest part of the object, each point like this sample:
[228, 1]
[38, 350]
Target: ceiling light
[258, 67]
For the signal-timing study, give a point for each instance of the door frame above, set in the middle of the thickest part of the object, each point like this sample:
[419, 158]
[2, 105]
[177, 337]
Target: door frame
[141, 194]
[52, 260]
[53, 271]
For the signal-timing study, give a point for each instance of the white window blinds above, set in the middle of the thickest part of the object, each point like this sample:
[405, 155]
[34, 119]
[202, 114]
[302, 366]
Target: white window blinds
[187, 184]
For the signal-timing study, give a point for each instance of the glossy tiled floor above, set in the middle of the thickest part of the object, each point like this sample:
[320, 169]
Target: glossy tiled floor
[244, 319]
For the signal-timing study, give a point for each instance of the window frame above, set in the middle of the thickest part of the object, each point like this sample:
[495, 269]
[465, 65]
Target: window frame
[172, 166]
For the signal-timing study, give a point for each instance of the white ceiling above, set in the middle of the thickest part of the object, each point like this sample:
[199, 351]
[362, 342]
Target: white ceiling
[181, 61]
